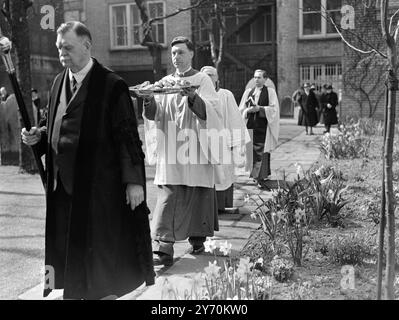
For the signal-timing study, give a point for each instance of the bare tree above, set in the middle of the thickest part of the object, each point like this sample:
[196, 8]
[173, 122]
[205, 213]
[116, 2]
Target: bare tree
[148, 40]
[211, 14]
[366, 87]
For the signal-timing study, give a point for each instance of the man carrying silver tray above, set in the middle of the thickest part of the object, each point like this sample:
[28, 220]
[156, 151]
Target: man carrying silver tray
[179, 129]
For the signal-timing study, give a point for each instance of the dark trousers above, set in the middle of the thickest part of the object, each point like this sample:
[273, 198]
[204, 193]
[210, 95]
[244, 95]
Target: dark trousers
[62, 208]
[225, 198]
[261, 160]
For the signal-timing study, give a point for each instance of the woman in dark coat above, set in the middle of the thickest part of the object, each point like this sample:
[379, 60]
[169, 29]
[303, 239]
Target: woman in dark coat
[309, 105]
[329, 102]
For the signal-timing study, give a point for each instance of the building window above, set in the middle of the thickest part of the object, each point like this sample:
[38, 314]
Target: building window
[320, 74]
[126, 29]
[259, 31]
[315, 17]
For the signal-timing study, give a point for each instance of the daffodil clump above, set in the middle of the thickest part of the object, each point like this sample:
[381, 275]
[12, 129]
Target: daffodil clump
[288, 216]
[225, 279]
[349, 143]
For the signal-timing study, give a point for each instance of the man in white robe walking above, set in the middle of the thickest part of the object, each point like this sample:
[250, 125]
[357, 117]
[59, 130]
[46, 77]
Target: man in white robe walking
[237, 137]
[260, 109]
[185, 157]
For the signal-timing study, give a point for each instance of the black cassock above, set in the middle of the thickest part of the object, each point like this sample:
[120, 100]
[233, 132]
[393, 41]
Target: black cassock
[329, 115]
[107, 245]
[257, 122]
[308, 112]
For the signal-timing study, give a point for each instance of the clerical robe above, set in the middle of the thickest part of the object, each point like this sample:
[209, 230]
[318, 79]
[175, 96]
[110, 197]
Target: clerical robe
[237, 136]
[181, 138]
[270, 111]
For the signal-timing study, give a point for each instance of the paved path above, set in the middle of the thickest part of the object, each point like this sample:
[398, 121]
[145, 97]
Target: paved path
[294, 147]
[22, 220]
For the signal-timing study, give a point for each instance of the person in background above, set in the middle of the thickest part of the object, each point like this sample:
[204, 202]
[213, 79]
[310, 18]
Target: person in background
[320, 111]
[309, 105]
[329, 102]
[261, 110]
[237, 137]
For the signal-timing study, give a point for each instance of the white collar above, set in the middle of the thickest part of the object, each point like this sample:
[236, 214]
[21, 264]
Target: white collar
[184, 72]
[80, 75]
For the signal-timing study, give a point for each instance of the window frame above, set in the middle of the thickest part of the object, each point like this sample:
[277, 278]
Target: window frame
[235, 40]
[127, 6]
[324, 34]
[329, 72]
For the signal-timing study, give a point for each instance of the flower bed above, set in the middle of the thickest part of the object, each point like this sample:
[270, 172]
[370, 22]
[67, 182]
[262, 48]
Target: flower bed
[341, 242]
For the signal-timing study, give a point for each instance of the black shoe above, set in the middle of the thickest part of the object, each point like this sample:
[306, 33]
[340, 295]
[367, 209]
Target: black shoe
[163, 259]
[195, 250]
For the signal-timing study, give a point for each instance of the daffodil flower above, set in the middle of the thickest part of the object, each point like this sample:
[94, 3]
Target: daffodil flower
[244, 269]
[210, 245]
[212, 270]
[225, 248]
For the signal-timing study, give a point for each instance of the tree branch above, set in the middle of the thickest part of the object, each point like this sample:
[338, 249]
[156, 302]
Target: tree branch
[391, 20]
[384, 22]
[6, 11]
[177, 11]
[373, 50]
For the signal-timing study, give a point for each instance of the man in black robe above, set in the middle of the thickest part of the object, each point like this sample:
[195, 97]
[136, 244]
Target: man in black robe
[329, 103]
[97, 229]
[309, 106]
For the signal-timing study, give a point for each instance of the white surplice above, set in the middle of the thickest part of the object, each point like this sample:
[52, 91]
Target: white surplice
[236, 139]
[168, 143]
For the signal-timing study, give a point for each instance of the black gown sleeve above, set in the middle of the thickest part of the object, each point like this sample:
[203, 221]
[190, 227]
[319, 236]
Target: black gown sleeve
[129, 145]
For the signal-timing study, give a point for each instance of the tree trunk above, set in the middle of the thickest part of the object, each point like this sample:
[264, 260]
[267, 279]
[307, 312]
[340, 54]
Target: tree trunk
[392, 82]
[383, 209]
[154, 48]
[389, 194]
[20, 38]
[156, 54]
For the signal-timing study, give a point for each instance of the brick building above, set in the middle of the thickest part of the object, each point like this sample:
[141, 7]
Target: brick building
[309, 49]
[294, 45]
[116, 30]
[317, 54]
[250, 41]
[291, 39]
[365, 74]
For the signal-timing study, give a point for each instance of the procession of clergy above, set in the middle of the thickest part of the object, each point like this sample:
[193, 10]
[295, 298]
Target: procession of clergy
[192, 193]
